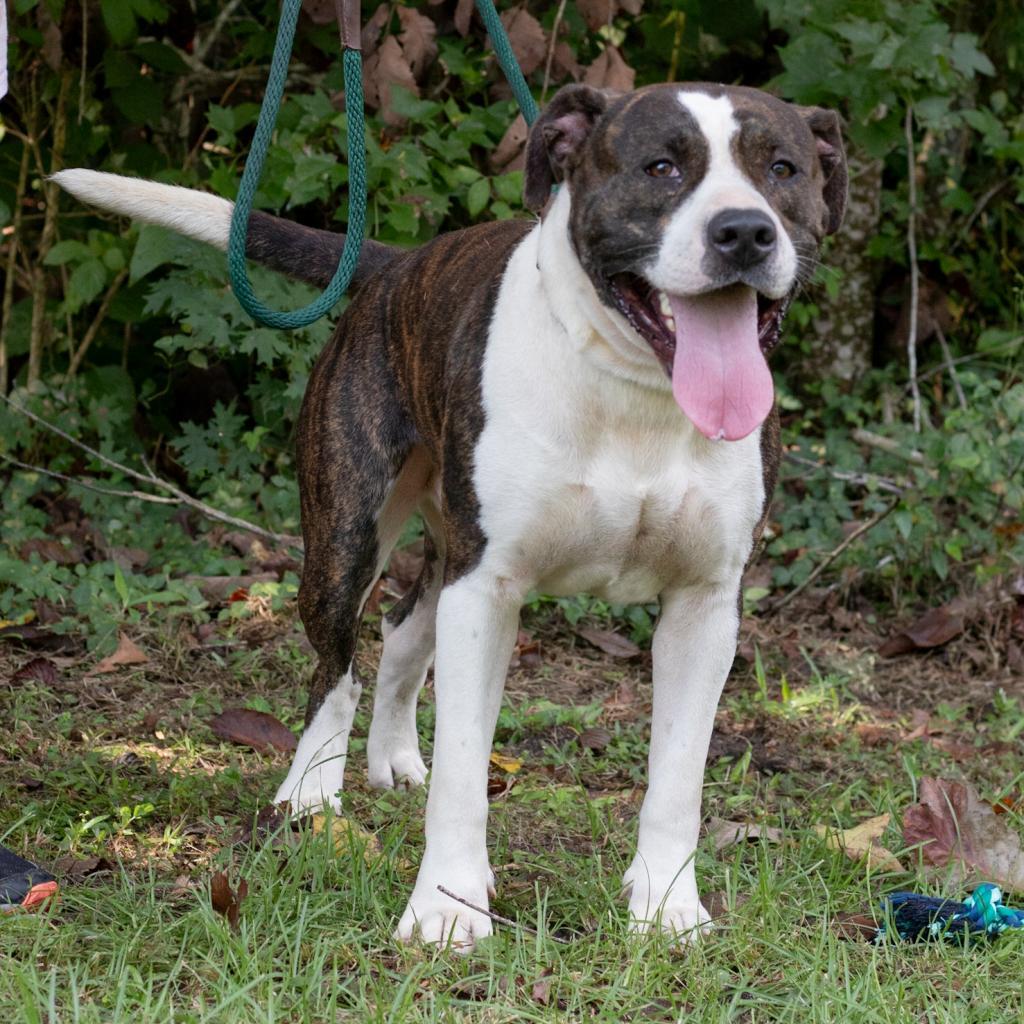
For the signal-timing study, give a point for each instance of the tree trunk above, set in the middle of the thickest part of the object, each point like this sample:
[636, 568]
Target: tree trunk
[844, 327]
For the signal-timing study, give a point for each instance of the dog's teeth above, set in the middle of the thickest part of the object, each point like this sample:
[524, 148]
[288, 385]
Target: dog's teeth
[664, 305]
[670, 323]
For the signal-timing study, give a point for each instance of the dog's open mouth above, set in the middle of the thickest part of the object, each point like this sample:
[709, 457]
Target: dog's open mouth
[713, 346]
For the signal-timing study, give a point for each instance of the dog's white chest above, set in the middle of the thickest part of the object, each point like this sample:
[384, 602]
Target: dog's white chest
[589, 482]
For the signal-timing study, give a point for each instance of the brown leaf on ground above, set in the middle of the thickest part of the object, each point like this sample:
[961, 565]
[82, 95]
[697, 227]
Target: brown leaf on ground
[225, 900]
[610, 71]
[541, 991]
[872, 735]
[128, 558]
[595, 738]
[384, 69]
[374, 26]
[527, 38]
[959, 830]
[81, 867]
[935, 628]
[613, 644]
[254, 729]
[597, 13]
[218, 589]
[508, 154]
[724, 833]
[862, 842]
[50, 550]
[321, 12]
[854, 927]
[41, 670]
[417, 39]
[127, 653]
[564, 63]
[463, 15]
[717, 904]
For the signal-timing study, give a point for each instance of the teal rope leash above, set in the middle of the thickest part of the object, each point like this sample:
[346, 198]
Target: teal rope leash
[507, 60]
[355, 114]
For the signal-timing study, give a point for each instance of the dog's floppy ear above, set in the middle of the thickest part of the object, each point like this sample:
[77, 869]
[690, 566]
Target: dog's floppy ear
[827, 128]
[556, 138]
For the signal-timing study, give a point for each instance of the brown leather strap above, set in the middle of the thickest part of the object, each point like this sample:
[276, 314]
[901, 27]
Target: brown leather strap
[348, 24]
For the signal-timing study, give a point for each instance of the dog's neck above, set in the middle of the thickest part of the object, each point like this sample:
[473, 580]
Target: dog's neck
[598, 333]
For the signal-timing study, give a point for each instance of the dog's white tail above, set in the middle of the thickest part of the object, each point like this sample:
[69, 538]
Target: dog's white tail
[198, 215]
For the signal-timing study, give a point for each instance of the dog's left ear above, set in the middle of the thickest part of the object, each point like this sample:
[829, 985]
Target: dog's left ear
[556, 139]
[827, 128]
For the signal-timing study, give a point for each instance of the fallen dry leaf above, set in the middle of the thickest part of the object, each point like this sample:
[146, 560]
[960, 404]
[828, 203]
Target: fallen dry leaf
[225, 900]
[541, 991]
[417, 39]
[610, 71]
[343, 831]
[511, 765]
[372, 28]
[614, 644]
[595, 738]
[935, 628]
[463, 15]
[81, 867]
[717, 904]
[508, 154]
[957, 829]
[385, 68]
[41, 670]
[564, 63]
[127, 653]
[527, 38]
[51, 551]
[855, 927]
[862, 843]
[724, 833]
[597, 13]
[254, 729]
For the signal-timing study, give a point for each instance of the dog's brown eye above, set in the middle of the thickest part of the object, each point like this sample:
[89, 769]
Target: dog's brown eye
[783, 169]
[662, 169]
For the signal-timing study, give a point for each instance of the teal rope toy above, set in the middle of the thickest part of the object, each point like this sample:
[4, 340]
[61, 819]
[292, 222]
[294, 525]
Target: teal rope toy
[352, 66]
[915, 917]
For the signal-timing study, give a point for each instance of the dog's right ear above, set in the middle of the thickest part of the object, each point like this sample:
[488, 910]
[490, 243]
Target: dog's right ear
[556, 139]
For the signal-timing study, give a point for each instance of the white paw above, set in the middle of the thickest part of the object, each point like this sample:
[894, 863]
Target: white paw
[434, 918]
[312, 793]
[394, 763]
[669, 904]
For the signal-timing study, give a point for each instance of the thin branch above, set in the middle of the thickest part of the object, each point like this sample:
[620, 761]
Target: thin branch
[156, 499]
[551, 51]
[947, 358]
[888, 445]
[155, 481]
[833, 555]
[883, 483]
[908, 129]
[97, 322]
[497, 918]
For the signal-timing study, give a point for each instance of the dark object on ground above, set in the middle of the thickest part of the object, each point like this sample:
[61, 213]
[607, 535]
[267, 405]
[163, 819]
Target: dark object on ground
[23, 885]
[916, 917]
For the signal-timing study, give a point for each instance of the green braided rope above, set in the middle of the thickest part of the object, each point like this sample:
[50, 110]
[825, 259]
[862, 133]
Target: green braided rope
[353, 71]
[507, 60]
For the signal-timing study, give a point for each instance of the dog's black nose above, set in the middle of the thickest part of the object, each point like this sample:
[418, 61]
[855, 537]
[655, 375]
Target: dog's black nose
[743, 237]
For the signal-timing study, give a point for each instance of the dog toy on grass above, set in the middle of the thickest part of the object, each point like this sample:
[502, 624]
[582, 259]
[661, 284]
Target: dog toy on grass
[23, 885]
[915, 917]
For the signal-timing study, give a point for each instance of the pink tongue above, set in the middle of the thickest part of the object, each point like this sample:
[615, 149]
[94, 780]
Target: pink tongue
[720, 378]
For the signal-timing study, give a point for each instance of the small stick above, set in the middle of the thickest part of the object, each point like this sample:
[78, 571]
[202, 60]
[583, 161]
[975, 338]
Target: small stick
[498, 919]
[887, 444]
[947, 357]
[883, 483]
[551, 50]
[833, 555]
[90, 486]
[94, 327]
[151, 478]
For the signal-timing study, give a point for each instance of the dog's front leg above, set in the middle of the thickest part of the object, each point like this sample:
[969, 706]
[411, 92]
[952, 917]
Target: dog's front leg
[694, 646]
[476, 629]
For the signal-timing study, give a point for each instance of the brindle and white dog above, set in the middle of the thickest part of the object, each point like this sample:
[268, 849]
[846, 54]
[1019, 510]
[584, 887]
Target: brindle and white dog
[578, 402]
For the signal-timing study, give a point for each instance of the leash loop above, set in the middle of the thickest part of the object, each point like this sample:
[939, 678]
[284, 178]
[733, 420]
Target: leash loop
[352, 66]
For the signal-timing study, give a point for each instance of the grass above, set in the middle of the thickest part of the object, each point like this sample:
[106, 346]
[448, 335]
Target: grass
[125, 768]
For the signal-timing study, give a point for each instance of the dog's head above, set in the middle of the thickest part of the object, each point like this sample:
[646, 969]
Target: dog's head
[696, 210]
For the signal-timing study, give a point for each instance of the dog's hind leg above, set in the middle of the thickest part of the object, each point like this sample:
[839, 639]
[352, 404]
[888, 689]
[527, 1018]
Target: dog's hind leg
[360, 483]
[392, 749]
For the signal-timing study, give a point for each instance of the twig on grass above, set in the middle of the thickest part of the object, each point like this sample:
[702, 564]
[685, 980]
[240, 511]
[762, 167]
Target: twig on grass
[151, 479]
[888, 445]
[833, 555]
[88, 485]
[498, 919]
[883, 483]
